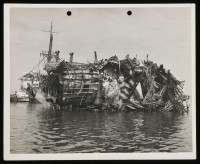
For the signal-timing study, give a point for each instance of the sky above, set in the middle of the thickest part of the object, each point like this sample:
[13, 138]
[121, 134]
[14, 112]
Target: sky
[163, 33]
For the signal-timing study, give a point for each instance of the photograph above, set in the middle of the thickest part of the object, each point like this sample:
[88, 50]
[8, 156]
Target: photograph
[94, 81]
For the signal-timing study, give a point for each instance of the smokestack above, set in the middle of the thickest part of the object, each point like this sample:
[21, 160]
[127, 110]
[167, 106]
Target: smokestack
[95, 57]
[71, 57]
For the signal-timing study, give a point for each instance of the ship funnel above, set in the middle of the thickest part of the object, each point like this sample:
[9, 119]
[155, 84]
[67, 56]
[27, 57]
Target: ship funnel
[71, 57]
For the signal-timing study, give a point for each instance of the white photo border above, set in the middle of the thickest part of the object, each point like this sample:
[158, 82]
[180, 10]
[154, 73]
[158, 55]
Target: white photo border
[91, 156]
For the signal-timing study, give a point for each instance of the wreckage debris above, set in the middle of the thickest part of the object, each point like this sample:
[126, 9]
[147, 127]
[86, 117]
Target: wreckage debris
[128, 84]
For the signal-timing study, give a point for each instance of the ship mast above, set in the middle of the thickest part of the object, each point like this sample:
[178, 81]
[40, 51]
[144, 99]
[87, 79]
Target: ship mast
[50, 44]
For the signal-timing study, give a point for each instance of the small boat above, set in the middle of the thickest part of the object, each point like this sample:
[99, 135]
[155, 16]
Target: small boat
[13, 98]
[22, 96]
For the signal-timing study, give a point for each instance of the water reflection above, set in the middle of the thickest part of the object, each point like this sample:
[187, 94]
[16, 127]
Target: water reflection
[36, 128]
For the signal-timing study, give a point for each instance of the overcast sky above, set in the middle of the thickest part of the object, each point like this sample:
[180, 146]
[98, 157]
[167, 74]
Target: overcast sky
[163, 33]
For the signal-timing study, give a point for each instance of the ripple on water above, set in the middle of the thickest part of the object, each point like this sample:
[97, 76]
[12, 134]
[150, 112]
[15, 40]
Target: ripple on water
[36, 150]
[62, 142]
[55, 129]
[45, 131]
[92, 150]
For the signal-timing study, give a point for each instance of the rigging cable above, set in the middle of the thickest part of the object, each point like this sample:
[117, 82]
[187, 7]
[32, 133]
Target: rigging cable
[37, 64]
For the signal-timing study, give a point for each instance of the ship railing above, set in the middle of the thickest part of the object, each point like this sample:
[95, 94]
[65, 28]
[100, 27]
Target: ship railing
[71, 90]
[76, 91]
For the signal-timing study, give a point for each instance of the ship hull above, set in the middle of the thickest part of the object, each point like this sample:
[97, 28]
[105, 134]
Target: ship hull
[41, 96]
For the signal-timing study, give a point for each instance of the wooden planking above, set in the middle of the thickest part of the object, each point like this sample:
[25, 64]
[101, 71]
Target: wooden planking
[80, 88]
[81, 72]
[79, 93]
[80, 79]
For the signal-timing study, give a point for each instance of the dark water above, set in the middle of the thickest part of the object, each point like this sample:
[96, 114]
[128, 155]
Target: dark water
[39, 129]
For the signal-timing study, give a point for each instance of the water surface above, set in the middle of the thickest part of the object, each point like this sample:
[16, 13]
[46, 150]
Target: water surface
[36, 128]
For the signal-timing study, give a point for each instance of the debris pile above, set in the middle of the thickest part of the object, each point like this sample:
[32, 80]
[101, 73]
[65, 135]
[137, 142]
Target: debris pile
[128, 84]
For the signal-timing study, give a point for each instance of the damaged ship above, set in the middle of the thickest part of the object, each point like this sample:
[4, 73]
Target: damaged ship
[110, 84]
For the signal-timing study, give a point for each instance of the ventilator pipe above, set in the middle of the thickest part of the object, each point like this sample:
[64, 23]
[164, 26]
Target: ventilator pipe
[71, 57]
